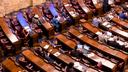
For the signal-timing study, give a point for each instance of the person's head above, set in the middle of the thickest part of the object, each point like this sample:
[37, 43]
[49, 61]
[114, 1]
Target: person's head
[56, 16]
[71, 64]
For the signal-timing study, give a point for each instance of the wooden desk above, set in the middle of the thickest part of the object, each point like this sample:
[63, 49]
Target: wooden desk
[98, 6]
[119, 32]
[91, 28]
[70, 10]
[49, 28]
[11, 66]
[105, 62]
[116, 31]
[66, 41]
[97, 45]
[120, 22]
[85, 8]
[66, 59]
[38, 61]
[7, 31]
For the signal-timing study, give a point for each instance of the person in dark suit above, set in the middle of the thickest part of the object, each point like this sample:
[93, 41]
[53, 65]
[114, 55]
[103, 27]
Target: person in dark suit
[30, 41]
[70, 68]
[106, 6]
[76, 53]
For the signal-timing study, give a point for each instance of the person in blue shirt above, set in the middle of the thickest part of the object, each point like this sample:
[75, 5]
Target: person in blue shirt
[56, 23]
[95, 22]
[122, 15]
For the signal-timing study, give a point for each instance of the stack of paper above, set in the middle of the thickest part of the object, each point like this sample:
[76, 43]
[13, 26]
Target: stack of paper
[46, 46]
[57, 54]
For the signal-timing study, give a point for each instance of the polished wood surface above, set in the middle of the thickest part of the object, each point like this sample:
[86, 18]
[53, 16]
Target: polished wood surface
[7, 31]
[38, 61]
[97, 45]
[91, 28]
[11, 66]
[70, 9]
[120, 22]
[85, 8]
[119, 32]
[66, 41]
[105, 62]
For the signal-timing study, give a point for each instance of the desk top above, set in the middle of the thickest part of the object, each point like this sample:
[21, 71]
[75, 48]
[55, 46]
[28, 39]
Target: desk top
[90, 27]
[66, 41]
[120, 22]
[11, 66]
[105, 62]
[70, 9]
[99, 46]
[120, 32]
[38, 61]
[7, 31]
[83, 6]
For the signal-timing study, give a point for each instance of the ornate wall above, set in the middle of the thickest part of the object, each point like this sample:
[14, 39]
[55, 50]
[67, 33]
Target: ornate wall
[7, 6]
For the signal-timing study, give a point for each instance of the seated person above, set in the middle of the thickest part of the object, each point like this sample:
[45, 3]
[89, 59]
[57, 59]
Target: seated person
[39, 51]
[83, 48]
[122, 15]
[86, 49]
[70, 68]
[1, 68]
[95, 22]
[47, 57]
[1, 34]
[108, 33]
[125, 6]
[30, 41]
[4, 40]
[111, 41]
[15, 22]
[36, 20]
[99, 65]
[40, 38]
[54, 43]
[19, 32]
[56, 23]
[22, 61]
[76, 53]
[63, 50]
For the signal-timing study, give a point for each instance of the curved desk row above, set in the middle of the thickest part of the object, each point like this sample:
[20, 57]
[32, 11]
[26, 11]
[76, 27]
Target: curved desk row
[38, 61]
[85, 8]
[95, 58]
[97, 45]
[72, 12]
[120, 22]
[7, 31]
[11, 66]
